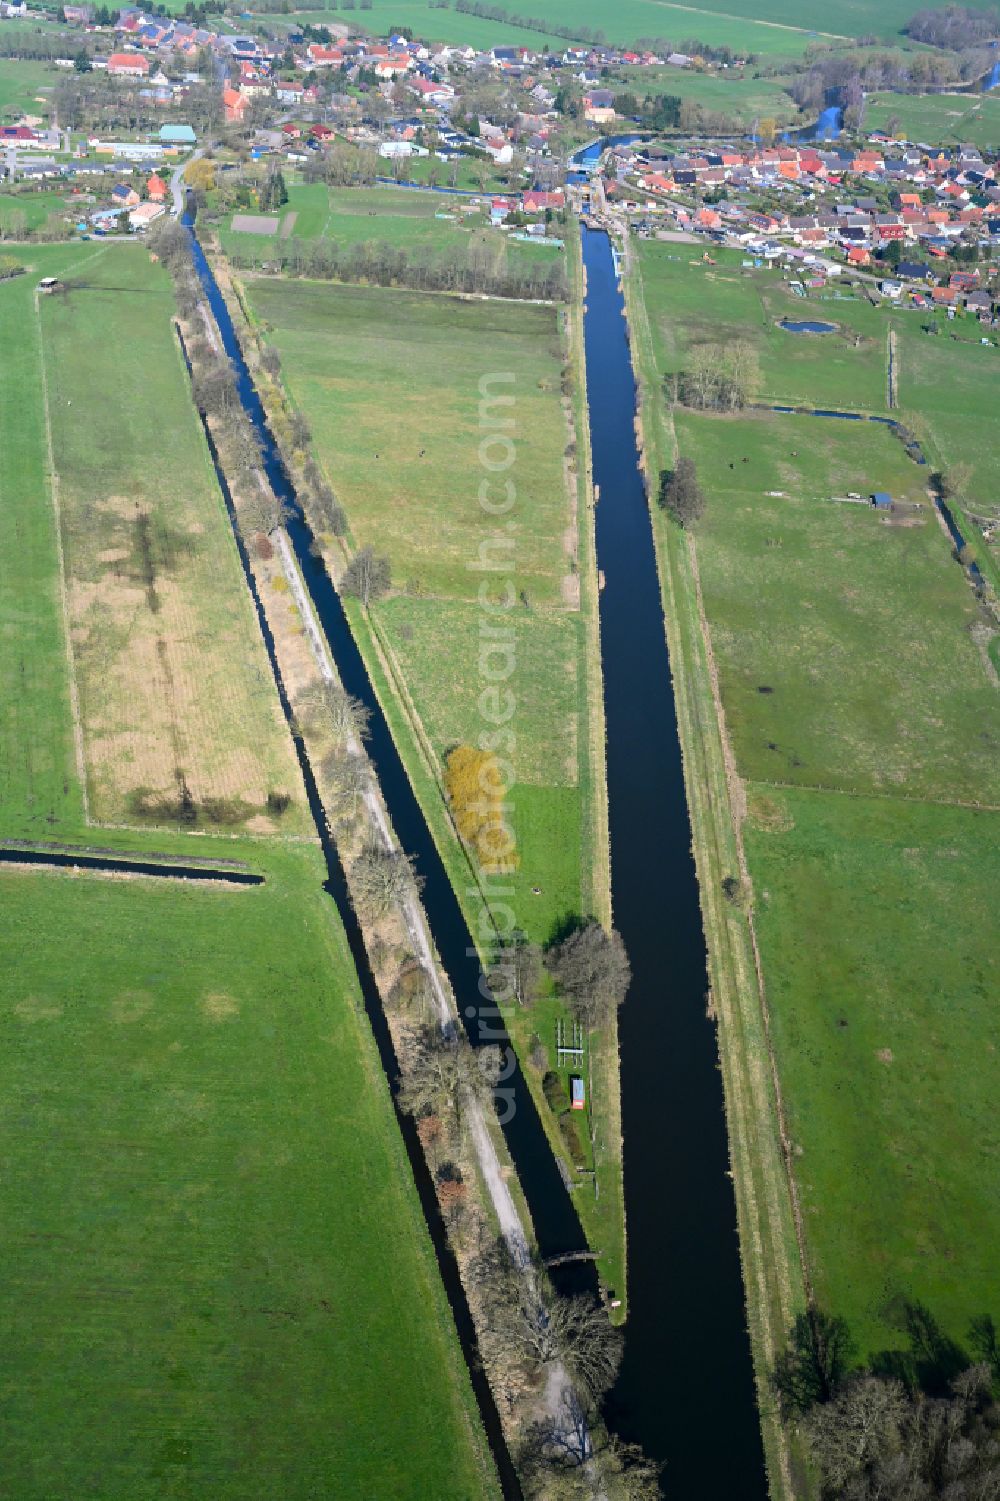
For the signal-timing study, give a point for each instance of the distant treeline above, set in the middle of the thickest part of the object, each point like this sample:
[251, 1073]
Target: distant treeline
[954, 27]
[384, 265]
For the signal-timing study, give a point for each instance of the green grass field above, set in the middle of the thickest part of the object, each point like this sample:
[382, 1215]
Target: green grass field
[25, 87]
[741, 98]
[692, 303]
[884, 1024]
[34, 207]
[937, 119]
[736, 26]
[218, 1281]
[401, 454]
[404, 218]
[847, 662]
[172, 682]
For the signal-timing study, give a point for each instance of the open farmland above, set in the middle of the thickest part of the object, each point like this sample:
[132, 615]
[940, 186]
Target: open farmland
[885, 1030]
[25, 87]
[829, 581]
[390, 383]
[739, 98]
[690, 303]
[401, 453]
[415, 222]
[624, 22]
[852, 661]
[218, 1280]
[937, 119]
[177, 713]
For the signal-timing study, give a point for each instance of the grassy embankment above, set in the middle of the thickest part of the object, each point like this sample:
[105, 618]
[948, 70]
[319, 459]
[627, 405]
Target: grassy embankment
[349, 357]
[217, 1260]
[860, 716]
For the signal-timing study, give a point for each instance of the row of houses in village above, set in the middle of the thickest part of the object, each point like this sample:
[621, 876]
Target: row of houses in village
[933, 199]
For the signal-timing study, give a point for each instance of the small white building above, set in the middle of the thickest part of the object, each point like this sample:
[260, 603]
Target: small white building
[394, 150]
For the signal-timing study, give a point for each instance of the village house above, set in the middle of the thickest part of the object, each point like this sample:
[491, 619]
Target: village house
[128, 65]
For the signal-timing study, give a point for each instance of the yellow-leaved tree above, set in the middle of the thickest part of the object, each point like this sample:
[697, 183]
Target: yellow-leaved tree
[476, 793]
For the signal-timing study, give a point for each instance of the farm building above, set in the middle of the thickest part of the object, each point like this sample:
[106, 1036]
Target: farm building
[882, 500]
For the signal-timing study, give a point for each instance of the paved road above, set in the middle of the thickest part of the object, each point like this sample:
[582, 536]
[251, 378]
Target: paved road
[176, 187]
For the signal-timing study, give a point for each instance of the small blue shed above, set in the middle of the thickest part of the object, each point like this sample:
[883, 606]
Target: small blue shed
[882, 500]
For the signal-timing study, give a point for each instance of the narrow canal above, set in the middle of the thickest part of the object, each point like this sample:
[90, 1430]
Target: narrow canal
[686, 1390]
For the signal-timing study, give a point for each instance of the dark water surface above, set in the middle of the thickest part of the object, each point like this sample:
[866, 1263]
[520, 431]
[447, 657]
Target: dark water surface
[686, 1389]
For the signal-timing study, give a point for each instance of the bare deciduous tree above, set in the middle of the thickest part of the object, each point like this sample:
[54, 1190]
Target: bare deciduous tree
[347, 778]
[367, 576]
[333, 712]
[380, 878]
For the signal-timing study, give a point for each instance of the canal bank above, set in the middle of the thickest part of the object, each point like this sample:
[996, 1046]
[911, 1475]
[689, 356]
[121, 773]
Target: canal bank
[769, 1226]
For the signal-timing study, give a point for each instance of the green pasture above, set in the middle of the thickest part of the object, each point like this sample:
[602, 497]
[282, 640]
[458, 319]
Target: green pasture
[848, 663]
[218, 1280]
[438, 645]
[25, 86]
[736, 26]
[877, 929]
[402, 454]
[390, 383]
[396, 216]
[403, 218]
[692, 303]
[937, 119]
[39, 788]
[949, 389]
[742, 98]
[36, 207]
[170, 676]
[447, 27]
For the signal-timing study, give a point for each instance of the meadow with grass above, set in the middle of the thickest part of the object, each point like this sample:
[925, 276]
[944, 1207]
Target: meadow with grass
[218, 1277]
[884, 1027]
[25, 86]
[176, 714]
[217, 1261]
[391, 384]
[937, 119]
[420, 224]
[863, 720]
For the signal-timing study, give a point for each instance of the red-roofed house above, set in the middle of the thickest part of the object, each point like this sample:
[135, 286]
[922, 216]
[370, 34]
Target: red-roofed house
[536, 202]
[858, 256]
[156, 188]
[324, 57]
[128, 65]
[235, 105]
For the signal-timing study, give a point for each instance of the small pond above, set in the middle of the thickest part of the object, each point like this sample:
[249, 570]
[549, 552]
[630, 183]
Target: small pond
[808, 327]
